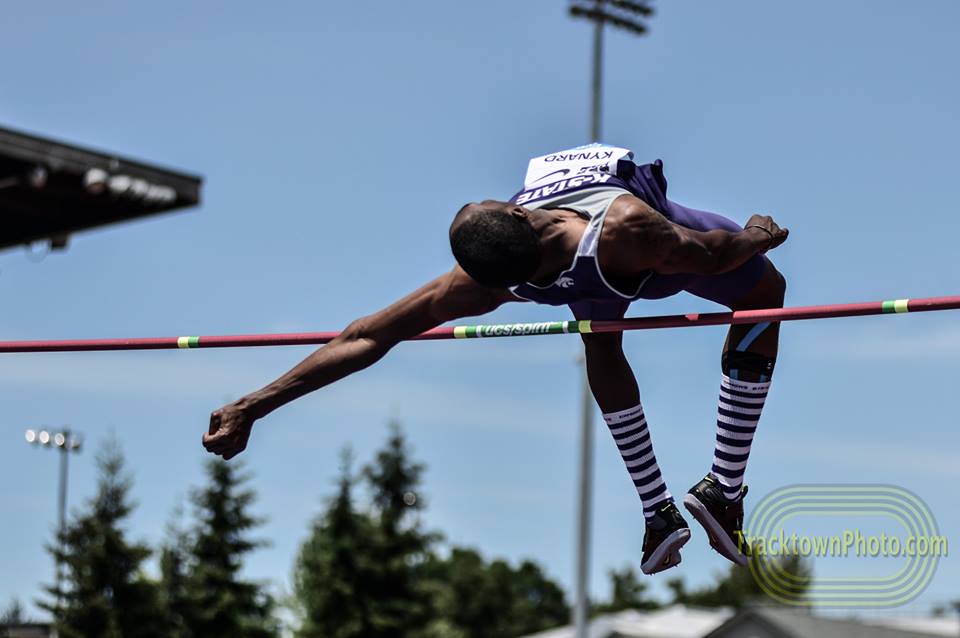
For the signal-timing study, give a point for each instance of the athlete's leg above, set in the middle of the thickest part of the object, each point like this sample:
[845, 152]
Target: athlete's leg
[747, 365]
[611, 379]
[768, 293]
[614, 386]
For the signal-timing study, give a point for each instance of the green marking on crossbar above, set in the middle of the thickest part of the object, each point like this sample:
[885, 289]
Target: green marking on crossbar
[896, 305]
[522, 329]
[188, 342]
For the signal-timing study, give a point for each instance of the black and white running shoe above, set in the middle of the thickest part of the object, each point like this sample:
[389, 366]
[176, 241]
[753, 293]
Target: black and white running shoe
[666, 533]
[721, 518]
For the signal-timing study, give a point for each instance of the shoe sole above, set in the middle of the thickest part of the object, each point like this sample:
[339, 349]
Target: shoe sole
[673, 561]
[718, 537]
[667, 555]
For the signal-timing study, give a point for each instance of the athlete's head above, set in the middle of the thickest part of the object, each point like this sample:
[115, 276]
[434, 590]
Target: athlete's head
[495, 243]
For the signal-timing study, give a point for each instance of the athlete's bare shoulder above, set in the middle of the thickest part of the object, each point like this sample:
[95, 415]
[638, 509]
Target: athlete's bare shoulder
[629, 217]
[634, 236]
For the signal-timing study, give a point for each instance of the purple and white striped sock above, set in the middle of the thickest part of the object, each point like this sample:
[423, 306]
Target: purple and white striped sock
[741, 403]
[629, 430]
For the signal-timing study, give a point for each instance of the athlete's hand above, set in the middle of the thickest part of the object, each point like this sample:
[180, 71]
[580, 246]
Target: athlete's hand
[229, 431]
[770, 229]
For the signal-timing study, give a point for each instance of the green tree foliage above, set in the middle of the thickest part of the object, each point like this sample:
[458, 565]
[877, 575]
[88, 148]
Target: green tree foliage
[13, 614]
[204, 583]
[374, 572]
[495, 600]
[738, 586]
[175, 599]
[104, 593]
[360, 573]
[627, 592]
[400, 603]
[335, 566]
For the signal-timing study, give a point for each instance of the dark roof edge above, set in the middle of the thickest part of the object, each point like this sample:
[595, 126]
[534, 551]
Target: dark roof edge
[752, 614]
[32, 147]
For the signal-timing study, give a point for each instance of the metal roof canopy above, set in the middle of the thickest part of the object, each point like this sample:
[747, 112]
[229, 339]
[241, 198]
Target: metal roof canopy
[49, 189]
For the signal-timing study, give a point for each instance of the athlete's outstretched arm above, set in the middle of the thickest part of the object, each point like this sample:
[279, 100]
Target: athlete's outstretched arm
[646, 240]
[364, 342]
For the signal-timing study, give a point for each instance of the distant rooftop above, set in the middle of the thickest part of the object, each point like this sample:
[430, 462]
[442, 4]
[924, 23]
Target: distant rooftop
[31, 630]
[778, 622]
[50, 190]
[933, 625]
[679, 621]
[676, 621]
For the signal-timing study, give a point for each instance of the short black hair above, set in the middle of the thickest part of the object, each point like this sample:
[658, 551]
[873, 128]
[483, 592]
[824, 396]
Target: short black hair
[494, 247]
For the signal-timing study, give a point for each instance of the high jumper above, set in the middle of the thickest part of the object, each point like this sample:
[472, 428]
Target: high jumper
[592, 230]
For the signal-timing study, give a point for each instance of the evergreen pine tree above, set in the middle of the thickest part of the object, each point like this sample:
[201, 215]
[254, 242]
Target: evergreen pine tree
[175, 602]
[334, 568]
[222, 605]
[400, 604]
[374, 574]
[13, 615]
[104, 593]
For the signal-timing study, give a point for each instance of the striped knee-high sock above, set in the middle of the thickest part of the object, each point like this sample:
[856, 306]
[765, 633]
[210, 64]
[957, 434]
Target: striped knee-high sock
[629, 430]
[741, 403]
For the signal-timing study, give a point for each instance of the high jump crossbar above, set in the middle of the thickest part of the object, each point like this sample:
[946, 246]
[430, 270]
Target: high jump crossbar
[796, 313]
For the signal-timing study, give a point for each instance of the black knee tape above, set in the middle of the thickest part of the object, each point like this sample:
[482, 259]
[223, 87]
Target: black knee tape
[747, 361]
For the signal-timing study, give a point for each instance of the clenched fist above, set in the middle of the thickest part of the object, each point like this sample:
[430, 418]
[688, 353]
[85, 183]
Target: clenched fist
[229, 431]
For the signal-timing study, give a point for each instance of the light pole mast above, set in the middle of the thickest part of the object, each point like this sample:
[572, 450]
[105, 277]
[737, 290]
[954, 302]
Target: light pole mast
[68, 442]
[596, 100]
[584, 511]
[628, 15]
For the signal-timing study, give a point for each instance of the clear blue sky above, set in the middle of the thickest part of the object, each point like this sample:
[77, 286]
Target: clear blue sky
[337, 139]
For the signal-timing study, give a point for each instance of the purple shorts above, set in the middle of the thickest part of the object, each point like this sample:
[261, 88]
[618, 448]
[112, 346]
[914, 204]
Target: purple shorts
[726, 288]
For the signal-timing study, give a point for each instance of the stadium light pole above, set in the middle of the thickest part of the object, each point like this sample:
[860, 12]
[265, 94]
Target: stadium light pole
[67, 442]
[627, 15]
